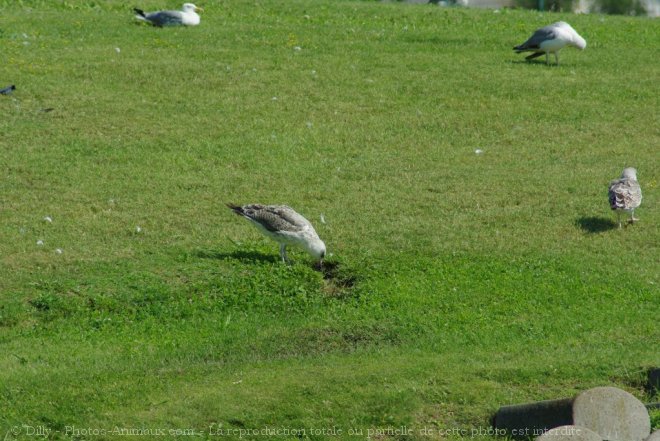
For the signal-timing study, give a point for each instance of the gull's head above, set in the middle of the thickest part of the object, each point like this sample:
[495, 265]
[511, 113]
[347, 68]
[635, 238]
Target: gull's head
[579, 42]
[576, 39]
[189, 7]
[317, 249]
[629, 173]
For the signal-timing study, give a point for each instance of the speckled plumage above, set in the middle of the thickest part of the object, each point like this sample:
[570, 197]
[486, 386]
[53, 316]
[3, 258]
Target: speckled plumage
[625, 194]
[284, 225]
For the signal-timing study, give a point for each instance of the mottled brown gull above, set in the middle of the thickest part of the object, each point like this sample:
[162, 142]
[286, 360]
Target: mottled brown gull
[625, 194]
[284, 225]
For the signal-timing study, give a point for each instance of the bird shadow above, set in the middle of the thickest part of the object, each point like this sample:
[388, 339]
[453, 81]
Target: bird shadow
[437, 40]
[243, 256]
[532, 62]
[593, 224]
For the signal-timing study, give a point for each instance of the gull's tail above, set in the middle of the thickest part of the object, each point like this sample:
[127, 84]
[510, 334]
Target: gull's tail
[236, 209]
[140, 14]
[523, 47]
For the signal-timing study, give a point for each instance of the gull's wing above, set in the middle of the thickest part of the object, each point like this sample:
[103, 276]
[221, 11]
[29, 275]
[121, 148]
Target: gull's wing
[165, 18]
[624, 194]
[538, 37]
[273, 218]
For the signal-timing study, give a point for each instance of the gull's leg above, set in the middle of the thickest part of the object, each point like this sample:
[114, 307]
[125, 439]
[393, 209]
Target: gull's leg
[618, 217]
[633, 219]
[283, 255]
[547, 58]
[557, 57]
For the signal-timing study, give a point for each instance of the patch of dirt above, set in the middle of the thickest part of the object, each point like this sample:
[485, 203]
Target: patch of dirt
[337, 283]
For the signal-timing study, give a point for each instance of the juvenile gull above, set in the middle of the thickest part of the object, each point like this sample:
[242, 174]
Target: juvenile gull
[625, 194]
[187, 16]
[551, 38]
[284, 225]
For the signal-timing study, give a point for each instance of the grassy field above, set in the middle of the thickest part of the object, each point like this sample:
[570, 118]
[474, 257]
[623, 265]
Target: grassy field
[459, 281]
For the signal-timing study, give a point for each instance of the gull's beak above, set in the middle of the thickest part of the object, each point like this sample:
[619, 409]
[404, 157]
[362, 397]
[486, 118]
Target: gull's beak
[198, 9]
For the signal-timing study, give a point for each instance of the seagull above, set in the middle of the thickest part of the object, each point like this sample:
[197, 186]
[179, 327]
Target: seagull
[7, 90]
[551, 38]
[284, 225]
[187, 16]
[625, 194]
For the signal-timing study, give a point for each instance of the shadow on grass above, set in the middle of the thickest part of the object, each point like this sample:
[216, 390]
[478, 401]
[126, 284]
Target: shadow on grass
[243, 256]
[594, 224]
[458, 42]
[533, 62]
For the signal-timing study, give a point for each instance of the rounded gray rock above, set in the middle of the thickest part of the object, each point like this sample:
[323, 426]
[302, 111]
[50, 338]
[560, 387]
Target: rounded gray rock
[655, 436]
[613, 413]
[569, 433]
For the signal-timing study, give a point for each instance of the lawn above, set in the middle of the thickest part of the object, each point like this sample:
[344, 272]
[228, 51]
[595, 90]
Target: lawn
[474, 259]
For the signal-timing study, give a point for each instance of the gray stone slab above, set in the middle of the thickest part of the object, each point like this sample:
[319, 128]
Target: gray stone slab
[613, 413]
[569, 433]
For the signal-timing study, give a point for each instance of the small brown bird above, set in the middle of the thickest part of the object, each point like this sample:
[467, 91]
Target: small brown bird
[625, 194]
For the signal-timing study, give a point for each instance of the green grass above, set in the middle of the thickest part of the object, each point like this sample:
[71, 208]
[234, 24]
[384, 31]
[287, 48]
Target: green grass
[461, 282]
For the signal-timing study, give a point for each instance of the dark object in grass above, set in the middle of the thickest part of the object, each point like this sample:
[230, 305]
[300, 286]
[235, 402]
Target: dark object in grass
[533, 419]
[337, 283]
[653, 381]
[596, 224]
[613, 413]
[331, 271]
[7, 90]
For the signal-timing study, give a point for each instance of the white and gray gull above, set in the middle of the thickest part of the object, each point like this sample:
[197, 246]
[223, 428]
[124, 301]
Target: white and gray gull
[187, 16]
[284, 225]
[625, 194]
[551, 38]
